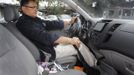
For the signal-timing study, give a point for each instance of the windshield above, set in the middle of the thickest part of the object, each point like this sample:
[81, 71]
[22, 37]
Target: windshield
[64, 16]
[119, 9]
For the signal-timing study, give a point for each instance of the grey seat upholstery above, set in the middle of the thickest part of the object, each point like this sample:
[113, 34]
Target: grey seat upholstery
[11, 18]
[15, 58]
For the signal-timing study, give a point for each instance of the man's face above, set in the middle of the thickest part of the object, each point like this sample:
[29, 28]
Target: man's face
[30, 9]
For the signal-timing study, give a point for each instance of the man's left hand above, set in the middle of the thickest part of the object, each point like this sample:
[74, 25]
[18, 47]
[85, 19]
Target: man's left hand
[73, 20]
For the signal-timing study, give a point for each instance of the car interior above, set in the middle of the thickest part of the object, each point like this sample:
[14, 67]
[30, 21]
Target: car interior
[110, 40]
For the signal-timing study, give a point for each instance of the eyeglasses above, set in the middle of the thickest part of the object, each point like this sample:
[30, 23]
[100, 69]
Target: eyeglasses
[31, 6]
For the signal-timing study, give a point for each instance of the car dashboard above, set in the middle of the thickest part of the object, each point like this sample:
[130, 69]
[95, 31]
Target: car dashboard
[114, 35]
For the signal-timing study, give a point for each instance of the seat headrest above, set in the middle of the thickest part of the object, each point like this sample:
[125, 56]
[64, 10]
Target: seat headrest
[11, 13]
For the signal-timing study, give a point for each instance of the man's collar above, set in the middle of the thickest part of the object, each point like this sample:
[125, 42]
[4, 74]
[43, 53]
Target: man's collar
[29, 16]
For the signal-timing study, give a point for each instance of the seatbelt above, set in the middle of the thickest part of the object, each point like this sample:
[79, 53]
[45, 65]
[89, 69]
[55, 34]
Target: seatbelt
[84, 63]
[88, 69]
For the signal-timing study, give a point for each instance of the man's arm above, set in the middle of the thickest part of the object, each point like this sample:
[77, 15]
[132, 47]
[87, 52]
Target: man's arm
[67, 40]
[33, 32]
[52, 25]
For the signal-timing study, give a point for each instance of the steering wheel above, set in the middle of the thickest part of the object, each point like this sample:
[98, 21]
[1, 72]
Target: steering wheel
[75, 27]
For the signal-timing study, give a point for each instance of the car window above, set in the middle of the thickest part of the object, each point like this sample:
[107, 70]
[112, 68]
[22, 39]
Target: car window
[2, 20]
[65, 16]
[52, 17]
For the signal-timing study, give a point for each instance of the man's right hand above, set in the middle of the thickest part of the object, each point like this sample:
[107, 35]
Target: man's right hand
[76, 41]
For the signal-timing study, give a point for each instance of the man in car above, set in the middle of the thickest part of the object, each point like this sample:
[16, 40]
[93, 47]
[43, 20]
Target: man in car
[36, 30]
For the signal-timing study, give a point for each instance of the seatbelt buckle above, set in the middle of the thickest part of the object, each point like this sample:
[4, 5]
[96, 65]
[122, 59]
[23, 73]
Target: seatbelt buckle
[58, 66]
